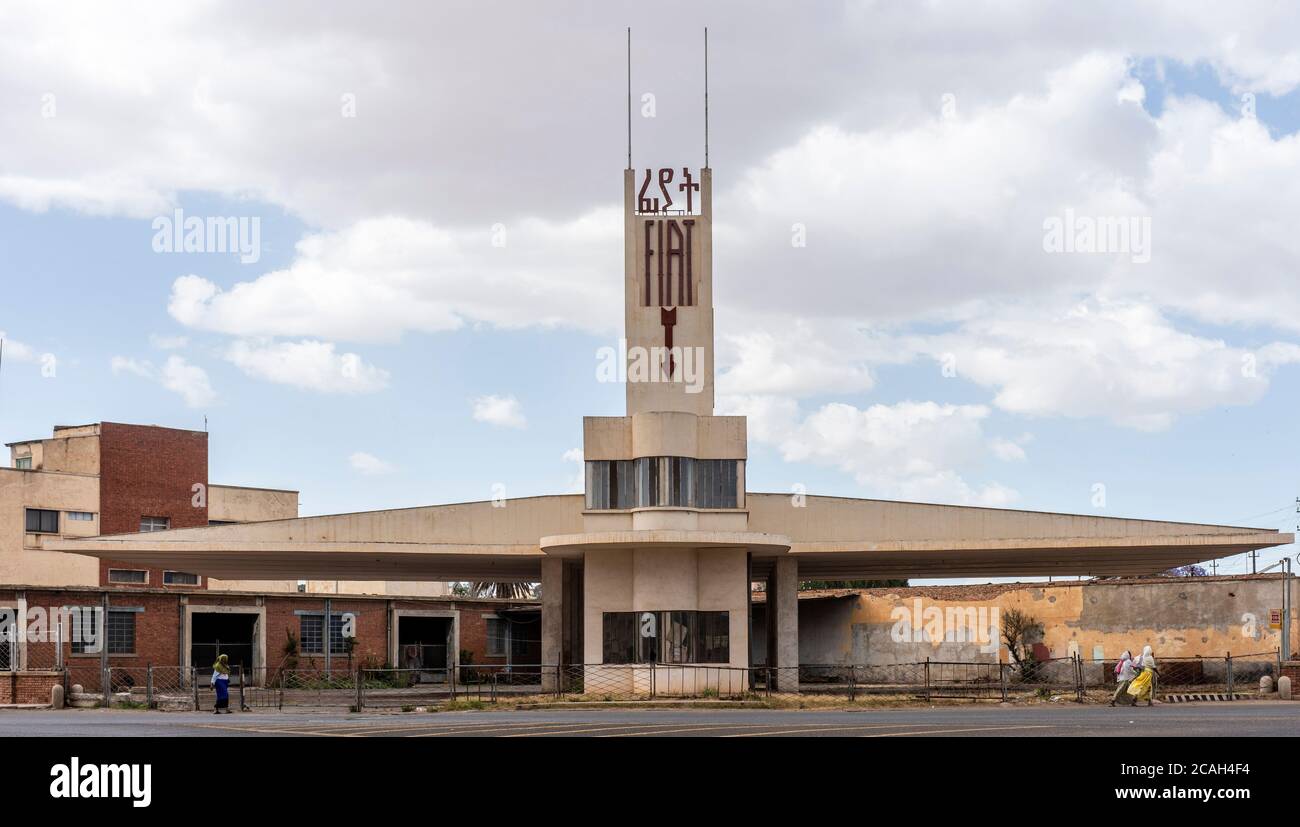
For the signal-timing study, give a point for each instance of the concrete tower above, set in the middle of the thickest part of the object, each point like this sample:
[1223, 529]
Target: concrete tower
[666, 554]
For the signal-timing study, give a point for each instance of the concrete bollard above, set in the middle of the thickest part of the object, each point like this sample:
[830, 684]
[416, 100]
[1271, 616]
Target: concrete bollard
[77, 689]
[56, 696]
[1284, 688]
[1266, 685]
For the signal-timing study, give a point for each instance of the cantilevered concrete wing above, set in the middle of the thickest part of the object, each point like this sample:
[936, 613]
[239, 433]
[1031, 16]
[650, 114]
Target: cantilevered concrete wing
[832, 538]
[836, 538]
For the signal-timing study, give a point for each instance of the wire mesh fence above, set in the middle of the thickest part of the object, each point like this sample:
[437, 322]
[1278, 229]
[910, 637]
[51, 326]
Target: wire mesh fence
[88, 683]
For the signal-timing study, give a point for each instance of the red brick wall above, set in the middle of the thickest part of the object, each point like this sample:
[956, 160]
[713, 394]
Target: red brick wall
[27, 687]
[147, 471]
[158, 632]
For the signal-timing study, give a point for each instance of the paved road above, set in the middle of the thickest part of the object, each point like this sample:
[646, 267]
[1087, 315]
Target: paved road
[1254, 718]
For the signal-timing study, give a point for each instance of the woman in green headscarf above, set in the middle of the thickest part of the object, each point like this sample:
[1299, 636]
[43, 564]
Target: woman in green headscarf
[221, 682]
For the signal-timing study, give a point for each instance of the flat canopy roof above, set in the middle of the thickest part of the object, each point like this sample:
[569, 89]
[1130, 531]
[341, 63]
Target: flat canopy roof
[833, 539]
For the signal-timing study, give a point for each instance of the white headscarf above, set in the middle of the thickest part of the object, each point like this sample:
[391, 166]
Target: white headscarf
[1125, 670]
[1148, 660]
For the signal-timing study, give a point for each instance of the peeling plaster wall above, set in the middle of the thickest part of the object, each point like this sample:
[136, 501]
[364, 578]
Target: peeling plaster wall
[1182, 617]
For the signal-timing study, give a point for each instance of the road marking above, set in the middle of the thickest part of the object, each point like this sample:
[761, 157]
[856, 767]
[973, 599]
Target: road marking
[725, 726]
[584, 727]
[946, 731]
[803, 730]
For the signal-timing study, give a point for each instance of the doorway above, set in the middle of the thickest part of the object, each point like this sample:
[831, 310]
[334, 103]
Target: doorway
[223, 633]
[424, 645]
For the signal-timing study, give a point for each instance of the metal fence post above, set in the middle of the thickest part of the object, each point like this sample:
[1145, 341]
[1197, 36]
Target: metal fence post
[360, 700]
[1078, 674]
[1228, 661]
[106, 686]
[148, 686]
[194, 683]
[1002, 679]
[927, 680]
[853, 682]
[243, 679]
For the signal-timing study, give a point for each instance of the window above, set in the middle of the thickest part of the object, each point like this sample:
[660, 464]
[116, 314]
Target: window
[311, 632]
[155, 523]
[647, 482]
[121, 630]
[666, 637]
[180, 578]
[498, 631]
[42, 521]
[80, 516]
[137, 576]
[23, 463]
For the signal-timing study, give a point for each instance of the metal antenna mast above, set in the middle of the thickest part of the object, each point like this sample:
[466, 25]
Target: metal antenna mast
[706, 96]
[629, 97]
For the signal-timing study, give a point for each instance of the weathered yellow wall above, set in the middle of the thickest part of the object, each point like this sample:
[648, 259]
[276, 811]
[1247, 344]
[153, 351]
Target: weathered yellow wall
[1177, 617]
[22, 562]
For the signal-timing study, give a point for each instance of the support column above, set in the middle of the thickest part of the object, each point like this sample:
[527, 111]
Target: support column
[783, 603]
[552, 620]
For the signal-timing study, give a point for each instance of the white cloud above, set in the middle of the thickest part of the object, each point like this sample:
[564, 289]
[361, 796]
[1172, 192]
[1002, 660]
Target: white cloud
[189, 381]
[912, 450]
[369, 464]
[307, 364]
[799, 359]
[17, 351]
[503, 411]
[1006, 449]
[578, 482]
[1115, 360]
[382, 277]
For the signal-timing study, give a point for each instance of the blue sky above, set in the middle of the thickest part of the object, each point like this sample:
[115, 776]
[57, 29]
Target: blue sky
[902, 270]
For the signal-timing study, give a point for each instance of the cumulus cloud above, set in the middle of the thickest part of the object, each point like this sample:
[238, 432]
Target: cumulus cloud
[369, 464]
[18, 351]
[177, 375]
[1121, 361]
[307, 364]
[503, 411]
[912, 450]
[382, 277]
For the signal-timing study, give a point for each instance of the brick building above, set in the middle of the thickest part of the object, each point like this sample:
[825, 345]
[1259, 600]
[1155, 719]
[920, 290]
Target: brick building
[111, 478]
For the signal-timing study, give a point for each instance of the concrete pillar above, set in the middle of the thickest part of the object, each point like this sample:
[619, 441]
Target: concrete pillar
[552, 620]
[783, 603]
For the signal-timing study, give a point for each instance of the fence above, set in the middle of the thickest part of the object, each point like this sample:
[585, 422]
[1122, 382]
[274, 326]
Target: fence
[1232, 676]
[145, 687]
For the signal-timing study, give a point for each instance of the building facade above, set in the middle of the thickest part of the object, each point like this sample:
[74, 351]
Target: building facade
[111, 478]
[652, 568]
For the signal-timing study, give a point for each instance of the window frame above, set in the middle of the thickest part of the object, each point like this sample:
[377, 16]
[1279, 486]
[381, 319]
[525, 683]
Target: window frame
[334, 640]
[198, 578]
[151, 522]
[42, 514]
[144, 581]
[503, 637]
[703, 637]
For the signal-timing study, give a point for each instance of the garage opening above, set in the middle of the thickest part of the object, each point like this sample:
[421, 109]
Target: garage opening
[424, 645]
[225, 633]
